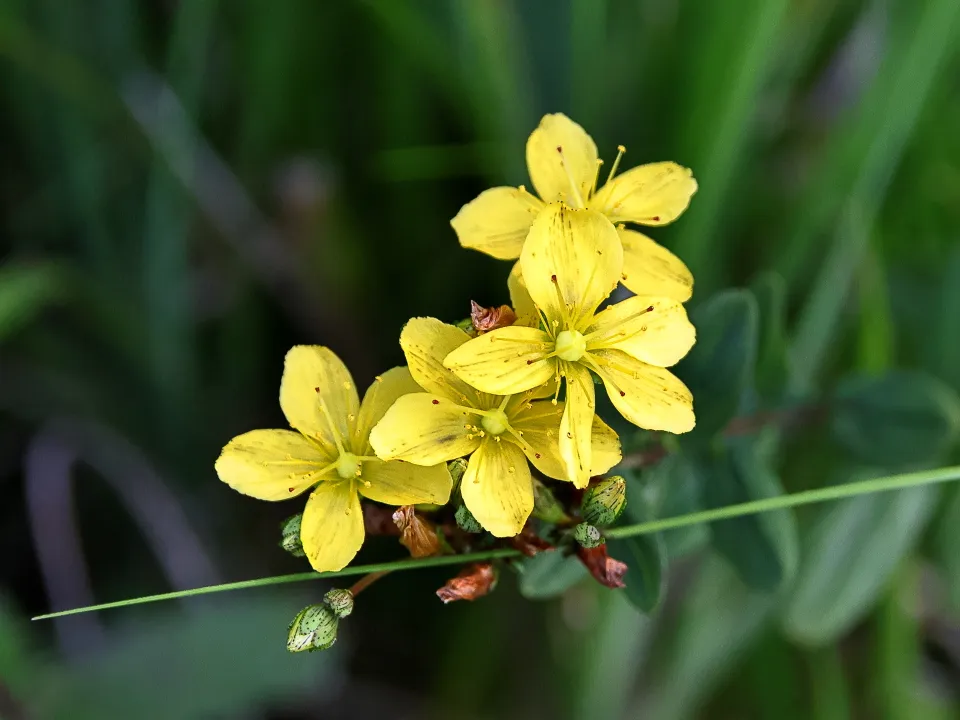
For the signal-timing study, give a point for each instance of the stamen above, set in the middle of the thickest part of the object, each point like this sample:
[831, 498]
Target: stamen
[333, 427]
[573, 185]
[596, 178]
[506, 399]
[616, 163]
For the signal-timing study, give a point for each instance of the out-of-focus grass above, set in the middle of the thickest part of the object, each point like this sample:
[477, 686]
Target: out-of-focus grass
[823, 137]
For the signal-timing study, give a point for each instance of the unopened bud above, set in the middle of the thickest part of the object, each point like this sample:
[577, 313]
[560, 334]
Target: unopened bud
[290, 529]
[604, 501]
[474, 581]
[416, 534]
[457, 468]
[340, 601]
[546, 507]
[314, 628]
[587, 535]
[466, 521]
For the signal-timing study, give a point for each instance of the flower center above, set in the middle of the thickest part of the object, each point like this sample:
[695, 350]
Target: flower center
[570, 345]
[495, 422]
[348, 466]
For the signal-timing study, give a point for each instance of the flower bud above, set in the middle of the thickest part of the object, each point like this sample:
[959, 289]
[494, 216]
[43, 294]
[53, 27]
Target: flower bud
[466, 521]
[604, 501]
[314, 628]
[290, 529]
[587, 535]
[416, 534]
[457, 468]
[474, 581]
[340, 601]
[546, 507]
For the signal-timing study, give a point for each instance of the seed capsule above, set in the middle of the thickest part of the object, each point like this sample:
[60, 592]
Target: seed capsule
[604, 501]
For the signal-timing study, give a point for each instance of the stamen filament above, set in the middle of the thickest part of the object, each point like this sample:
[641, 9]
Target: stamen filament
[596, 178]
[573, 185]
[616, 163]
[333, 427]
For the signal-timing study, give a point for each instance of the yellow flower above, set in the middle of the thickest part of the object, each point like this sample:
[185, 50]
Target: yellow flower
[498, 433]
[330, 450]
[563, 165]
[570, 264]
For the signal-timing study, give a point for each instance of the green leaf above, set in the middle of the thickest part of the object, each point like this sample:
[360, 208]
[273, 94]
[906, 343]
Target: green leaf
[671, 488]
[770, 290]
[549, 574]
[219, 662]
[720, 367]
[849, 551]
[900, 419]
[946, 540]
[25, 290]
[762, 548]
[646, 558]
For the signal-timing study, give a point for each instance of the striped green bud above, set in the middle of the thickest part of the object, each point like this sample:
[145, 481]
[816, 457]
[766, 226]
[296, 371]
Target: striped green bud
[466, 521]
[587, 535]
[314, 628]
[604, 501]
[340, 601]
[290, 530]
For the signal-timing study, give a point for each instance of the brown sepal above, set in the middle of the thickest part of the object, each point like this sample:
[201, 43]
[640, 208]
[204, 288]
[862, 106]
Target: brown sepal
[416, 534]
[487, 319]
[605, 569]
[529, 543]
[474, 581]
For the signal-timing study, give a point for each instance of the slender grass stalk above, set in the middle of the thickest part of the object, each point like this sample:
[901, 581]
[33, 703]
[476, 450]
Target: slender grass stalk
[808, 497]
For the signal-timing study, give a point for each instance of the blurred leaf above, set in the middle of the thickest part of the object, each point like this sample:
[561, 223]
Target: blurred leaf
[946, 339]
[25, 290]
[646, 558]
[549, 574]
[946, 541]
[762, 548]
[217, 663]
[18, 668]
[849, 551]
[770, 290]
[719, 619]
[720, 367]
[900, 419]
[671, 488]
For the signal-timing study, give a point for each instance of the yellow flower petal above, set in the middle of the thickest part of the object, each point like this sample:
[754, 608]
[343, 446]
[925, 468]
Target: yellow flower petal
[549, 177]
[497, 487]
[314, 378]
[497, 221]
[505, 361]
[425, 429]
[576, 425]
[571, 262]
[651, 269]
[332, 527]
[648, 396]
[426, 342]
[383, 393]
[540, 425]
[271, 464]
[653, 194]
[520, 299]
[401, 483]
[652, 329]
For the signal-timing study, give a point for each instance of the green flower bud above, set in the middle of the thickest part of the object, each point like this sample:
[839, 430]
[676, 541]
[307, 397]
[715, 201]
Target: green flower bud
[340, 601]
[587, 535]
[290, 529]
[546, 507]
[604, 502]
[466, 521]
[314, 628]
[457, 468]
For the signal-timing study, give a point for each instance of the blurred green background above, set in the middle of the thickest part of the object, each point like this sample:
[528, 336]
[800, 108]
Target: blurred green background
[189, 188]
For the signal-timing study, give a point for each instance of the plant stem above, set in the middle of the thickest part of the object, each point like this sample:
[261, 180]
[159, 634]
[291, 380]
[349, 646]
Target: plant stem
[366, 581]
[892, 482]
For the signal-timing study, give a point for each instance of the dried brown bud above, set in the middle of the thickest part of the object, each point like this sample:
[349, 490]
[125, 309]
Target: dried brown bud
[378, 520]
[605, 569]
[416, 534]
[529, 543]
[474, 581]
[487, 319]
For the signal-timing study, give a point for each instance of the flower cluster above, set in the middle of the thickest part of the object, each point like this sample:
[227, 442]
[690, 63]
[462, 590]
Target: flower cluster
[475, 409]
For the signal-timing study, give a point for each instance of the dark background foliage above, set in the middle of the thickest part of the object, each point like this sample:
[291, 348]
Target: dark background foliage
[189, 188]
